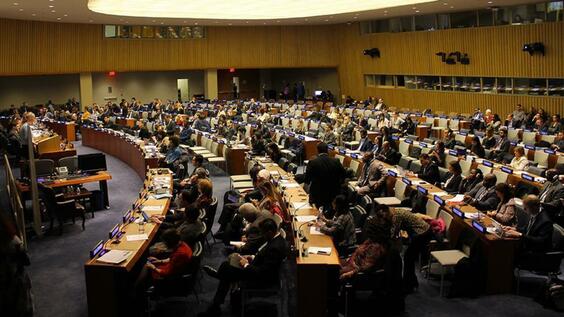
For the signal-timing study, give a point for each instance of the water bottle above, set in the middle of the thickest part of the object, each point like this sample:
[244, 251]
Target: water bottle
[141, 227]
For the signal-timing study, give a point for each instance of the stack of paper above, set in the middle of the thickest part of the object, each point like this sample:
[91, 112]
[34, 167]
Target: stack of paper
[305, 218]
[440, 194]
[301, 205]
[456, 199]
[115, 256]
[151, 208]
[319, 250]
[315, 231]
[137, 237]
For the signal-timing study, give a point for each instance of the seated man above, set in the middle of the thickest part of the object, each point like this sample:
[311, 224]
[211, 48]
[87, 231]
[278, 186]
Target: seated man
[429, 170]
[483, 196]
[388, 154]
[259, 270]
[372, 176]
[174, 152]
[501, 147]
[364, 144]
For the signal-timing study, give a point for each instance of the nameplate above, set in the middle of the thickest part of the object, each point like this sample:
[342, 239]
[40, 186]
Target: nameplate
[513, 143]
[395, 137]
[354, 155]
[528, 130]
[97, 249]
[422, 190]
[342, 151]
[392, 173]
[458, 212]
[126, 217]
[487, 163]
[530, 147]
[429, 115]
[478, 226]
[408, 141]
[443, 116]
[292, 134]
[330, 147]
[114, 232]
[301, 137]
[543, 133]
[221, 141]
[254, 126]
[423, 144]
[463, 133]
[527, 177]
[453, 152]
[406, 181]
[438, 200]
[507, 170]
[548, 151]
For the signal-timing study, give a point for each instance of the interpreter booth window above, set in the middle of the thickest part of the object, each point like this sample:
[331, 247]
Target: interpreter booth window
[369, 81]
[425, 22]
[502, 16]
[185, 32]
[379, 26]
[443, 21]
[467, 84]
[198, 32]
[410, 82]
[400, 81]
[537, 86]
[504, 86]
[406, 24]
[446, 83]
[521, 86]
[488, 85]
[556, 87]
[485, 17]
[124, 31]
[554, 11]
[463, 19]
[110, 31]
[429, 82]
[365, 27]
[384, 80]
[395, 25]
[529, 13]
[136, 32]
[148, 32]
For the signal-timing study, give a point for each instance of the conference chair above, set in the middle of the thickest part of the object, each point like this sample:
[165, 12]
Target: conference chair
[70, 162]
[292, 168]
[283, 163]
[341, 158]
[59, 208]
[529, 137]
[541, 158]
[485, 169]
[500, 176]
[454, 124]
[222, 158]
[399, 195]
[44, 167]
[548, 263]
[432, 209]
[208, 219]
[513, 135]
[354, 166]
[277, 291]
[176, 289]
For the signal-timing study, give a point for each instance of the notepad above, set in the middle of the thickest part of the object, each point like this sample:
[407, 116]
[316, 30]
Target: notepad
[314, 230]
[114, 256]
[161, 196]
[301, 205]
[152, 208]
[456, 199]
[291, 185]
[237, 243]
[319, 250]
[305, 218]
[440, 194]
[137, 237]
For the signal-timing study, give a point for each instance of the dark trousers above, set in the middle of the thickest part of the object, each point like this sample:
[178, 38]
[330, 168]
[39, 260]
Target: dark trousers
[227, 274]
[227, 214]
[417, 244]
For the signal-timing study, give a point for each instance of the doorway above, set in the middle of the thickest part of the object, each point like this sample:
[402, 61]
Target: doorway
[183, 89]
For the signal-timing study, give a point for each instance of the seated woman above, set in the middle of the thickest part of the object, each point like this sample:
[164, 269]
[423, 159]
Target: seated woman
[191, 228]
[273, 152]
[371, 253]
[519, 162]
[271, 200]
[454, 178]
[438, 153]
[489, 140]
[505, 212]
[477, 148]
[205, 193]
[341, 228]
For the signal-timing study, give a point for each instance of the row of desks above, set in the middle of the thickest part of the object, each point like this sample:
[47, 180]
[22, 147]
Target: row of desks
[108, 286]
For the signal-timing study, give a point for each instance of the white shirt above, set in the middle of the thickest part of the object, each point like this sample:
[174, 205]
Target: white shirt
[519, 164]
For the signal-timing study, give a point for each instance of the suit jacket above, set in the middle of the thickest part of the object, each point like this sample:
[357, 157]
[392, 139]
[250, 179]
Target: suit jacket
[504, 145]
[484, 201]
[466, 185]
[264, 267]
[453, 183]
[365, 145]
[539, 237]
[325, 176]
[550, 196]
[373, 177]
[430, 173]
[391, 156]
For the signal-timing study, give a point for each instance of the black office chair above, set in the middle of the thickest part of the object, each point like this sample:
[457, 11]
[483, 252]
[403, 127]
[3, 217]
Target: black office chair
[292, 168]
[283, 163]
[535, 170]
[404, 163]
[70, 162]
[58, 208]
[209, 217]
[177, 289]
[291, 157]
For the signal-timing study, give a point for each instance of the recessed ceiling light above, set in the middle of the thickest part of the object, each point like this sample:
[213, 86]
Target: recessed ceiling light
[490, 2]
[416, 11]
[452, 7]
[65, 15]
[195, 23]
[91, 21]
[162, 23]
[355, 17]
[59, 19]
[16, 4]
[33, 14]
[154, 21]
[20, 10]
[230, 23]
[385, 11]
[278, 21]
[53, 11]
[326, 20]
[445, 4]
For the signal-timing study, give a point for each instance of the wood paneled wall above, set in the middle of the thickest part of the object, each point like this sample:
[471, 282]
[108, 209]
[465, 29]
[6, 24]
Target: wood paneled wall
[31, 47]
[493, 52]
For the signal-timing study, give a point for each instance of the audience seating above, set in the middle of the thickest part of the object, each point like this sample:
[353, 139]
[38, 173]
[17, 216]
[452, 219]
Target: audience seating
[59, 208]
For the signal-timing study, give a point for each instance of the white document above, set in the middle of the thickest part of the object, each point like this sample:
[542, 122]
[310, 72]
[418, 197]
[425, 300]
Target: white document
[456, 199]
[137, 237]
[237, 243]
[440, 194]
[291, 185]
[305, 218]
[161, 196]
[315, 230]
[297, 205]
[114, 256]
[319, 250]
[152, 208]
[418, 182]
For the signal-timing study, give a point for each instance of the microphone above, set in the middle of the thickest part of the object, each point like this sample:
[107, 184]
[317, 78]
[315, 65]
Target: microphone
[302, 237]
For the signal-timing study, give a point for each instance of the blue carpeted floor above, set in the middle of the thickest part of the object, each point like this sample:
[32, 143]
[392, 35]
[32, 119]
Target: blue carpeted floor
[58, 276]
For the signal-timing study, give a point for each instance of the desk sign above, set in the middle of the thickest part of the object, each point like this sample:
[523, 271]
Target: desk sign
[478, 226]
[354, 155]
[527, 130]
[443, 116]
[543, 133]
[422, 190]
[115, 231]
[406, 181]
[392, 173]
[453, 152]
[127, 216]
[330, 147]
[530, 147]
[408, 141]
[395, 137]
[458, 212]
[342, 151]
[507, 170]
[439, 200]
[292, 134]
[97, 249]
[222, 141]
[423, 144]
[463, 133]
[549, 151]
[301, 137]
[527, 177]
[513, 143]
[487, 163]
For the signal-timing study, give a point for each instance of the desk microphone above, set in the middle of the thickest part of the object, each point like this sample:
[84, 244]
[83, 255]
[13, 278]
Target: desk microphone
[302, 237]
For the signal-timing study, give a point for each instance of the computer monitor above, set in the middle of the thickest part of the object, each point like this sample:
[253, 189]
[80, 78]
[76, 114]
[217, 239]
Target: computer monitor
[91, 163]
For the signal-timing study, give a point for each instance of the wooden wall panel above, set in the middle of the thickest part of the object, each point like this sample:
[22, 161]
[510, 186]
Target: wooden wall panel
[32, 47]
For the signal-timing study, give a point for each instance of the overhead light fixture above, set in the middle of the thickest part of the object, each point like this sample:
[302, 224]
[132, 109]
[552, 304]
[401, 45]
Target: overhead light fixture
[240, 9]
[372, 52]
[531, 48]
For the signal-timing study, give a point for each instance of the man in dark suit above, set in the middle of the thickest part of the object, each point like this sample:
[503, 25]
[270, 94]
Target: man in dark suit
[170, 125]
[372, 176]
[388, 154]
[501, 146]
[536, 234]
[429, 170]
[260, 270]
[325, 176]
[551, 193]
[483, 196]
[365, 144]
